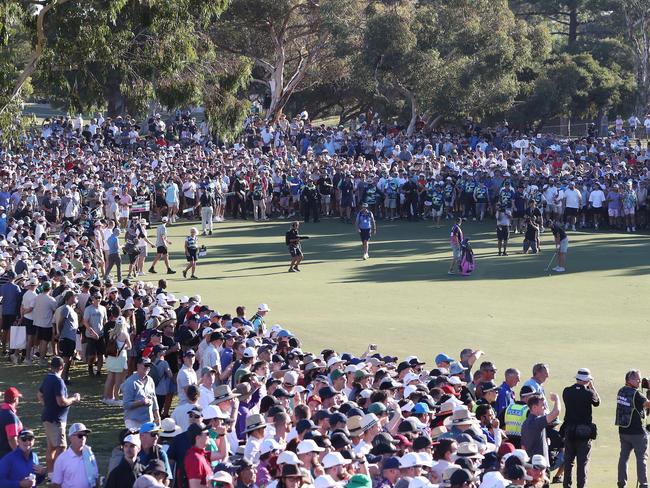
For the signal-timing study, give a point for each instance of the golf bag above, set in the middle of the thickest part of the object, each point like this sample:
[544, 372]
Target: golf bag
[467, 263]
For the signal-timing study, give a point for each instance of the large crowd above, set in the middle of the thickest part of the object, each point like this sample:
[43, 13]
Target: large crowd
[223, 399]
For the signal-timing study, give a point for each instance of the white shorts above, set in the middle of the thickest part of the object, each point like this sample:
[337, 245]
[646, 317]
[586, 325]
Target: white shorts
[124, 213]
[612, 212]
[629, 211]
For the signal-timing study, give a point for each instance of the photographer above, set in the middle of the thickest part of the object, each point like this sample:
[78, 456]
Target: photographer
[630, 405]
[578, 429]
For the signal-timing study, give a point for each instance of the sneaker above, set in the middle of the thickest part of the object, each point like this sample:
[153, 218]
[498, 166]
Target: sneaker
[295, 268]
[627, 229]
[152, 271]
[209, 232]
[14, 359]
[171, 271]
[141, 273]
[556, 268]
[504, 253]
[633, 229]
[365, 256]
[184, 273]
[559, 269]
[573, 227]
[450, 272]
[291, 270]
[194, 277]
[107, 401]
[117, 403]
[27, 362]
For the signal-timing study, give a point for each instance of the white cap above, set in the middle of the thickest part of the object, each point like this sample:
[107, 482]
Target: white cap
[206, 331]
[409, 390]
[410, 377]
[539, 460]
[214, 412]
[76, 428]
[333, 360]
[184, 299]
[410, 460]
[521, 454]
[335, 459]
[308, 445]
[290, 457]
[250, 352]
[326, 481]
[269, 444]
[156, 312]
[263, 307]
[351, 368]
[291, 377]
[133, 439]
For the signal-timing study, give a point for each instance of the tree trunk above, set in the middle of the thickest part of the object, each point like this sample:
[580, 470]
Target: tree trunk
[32, 62]
[573, 28]
[116, 101]
[414, 112]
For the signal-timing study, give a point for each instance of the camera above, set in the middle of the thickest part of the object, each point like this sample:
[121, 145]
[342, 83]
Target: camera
[645, 383]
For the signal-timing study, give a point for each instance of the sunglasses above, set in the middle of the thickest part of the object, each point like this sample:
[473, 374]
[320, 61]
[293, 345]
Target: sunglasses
[27, 439]
[81, 436]
[194, 416]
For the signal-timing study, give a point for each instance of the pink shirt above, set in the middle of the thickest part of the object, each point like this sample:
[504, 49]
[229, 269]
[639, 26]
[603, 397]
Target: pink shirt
[69, 471]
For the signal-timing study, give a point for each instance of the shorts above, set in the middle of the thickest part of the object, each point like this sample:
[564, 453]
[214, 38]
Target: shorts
[570, 212]
[455, 251]
[556, 209]
[30, 327]
[142, 251]
[391, 203]
[503, 232]
[133, 256]
[55, 433]
[364, 234]
[326, 199]
[124, 213]
[192, 255]
[346, 202]
[518, 214]
[295, 251]
[172, 204]
[161, 249]
[44, 333]
[95, 347]
[628, 211]
[8, 321]
[436, 212]
[612, 212]
[564, 245]
[67, 347]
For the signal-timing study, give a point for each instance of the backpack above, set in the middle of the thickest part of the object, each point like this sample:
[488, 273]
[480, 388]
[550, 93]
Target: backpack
[111, 348]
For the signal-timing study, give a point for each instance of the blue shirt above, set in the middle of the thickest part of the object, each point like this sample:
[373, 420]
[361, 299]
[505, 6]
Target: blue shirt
[52, 387]
[113, 244]
[505, 398]
[145, 457]
[226, 357]
[364, 220]
[10, 298]
[14, 468]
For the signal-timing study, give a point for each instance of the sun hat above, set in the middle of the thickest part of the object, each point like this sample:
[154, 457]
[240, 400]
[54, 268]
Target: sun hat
[584, 374]
[223, 393]
[255, 422]
[168, 428]
[335, 459]
[460, 416]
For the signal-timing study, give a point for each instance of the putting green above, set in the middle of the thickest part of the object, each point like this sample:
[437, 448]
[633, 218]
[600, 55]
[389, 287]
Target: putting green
[402, 299]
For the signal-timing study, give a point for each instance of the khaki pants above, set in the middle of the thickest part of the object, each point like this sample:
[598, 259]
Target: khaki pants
[206, 219]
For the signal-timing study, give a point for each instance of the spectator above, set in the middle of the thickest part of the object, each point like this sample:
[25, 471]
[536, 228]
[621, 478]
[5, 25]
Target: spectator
[20, 467]
[10, 424]
[77, 466]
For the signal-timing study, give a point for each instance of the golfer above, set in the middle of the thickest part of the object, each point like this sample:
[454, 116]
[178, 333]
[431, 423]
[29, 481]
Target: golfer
[366, 226]
[561, 245]
[504, 218]
[191, 252]
[292, 238]
[455, 238]
[162, 247]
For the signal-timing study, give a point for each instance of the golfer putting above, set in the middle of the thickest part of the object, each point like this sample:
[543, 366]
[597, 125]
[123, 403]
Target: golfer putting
[561, 245]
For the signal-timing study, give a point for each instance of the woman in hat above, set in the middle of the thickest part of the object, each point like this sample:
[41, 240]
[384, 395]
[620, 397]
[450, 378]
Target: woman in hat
[290, 477]
[118, 343]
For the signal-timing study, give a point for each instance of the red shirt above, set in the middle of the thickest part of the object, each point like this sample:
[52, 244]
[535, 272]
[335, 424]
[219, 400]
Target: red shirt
[197, 465]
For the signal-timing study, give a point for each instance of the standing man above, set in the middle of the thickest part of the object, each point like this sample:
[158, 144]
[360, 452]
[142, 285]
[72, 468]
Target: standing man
[630, 412]
[578, 428]
[533, 430]
[292, 239]
[455, 239]
[77, 466]
[572, 205]
[139, 400]
[506, 395]
[366, 226]
[10, 424]
[94, 319]
[66, 330]
[53, 395]
[129, 469]
[561, 245]
[113, 258]
[504, 218]
[10, 293]
[162, 246]
[43, 313]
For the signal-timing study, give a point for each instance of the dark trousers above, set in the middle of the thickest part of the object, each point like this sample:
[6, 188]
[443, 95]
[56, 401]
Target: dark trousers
[639, 444]
[310, 209]
[576, 452]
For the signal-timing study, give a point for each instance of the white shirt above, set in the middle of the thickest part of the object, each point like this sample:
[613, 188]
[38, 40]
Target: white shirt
[206, 396]
[596, 198]
[28, 302]
[186, 377]
[210, 357]
[181, 416]
[252, 449]
[573, 198]
[494, 479]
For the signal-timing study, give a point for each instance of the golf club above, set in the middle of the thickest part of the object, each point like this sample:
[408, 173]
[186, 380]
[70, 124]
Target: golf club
[548, 268]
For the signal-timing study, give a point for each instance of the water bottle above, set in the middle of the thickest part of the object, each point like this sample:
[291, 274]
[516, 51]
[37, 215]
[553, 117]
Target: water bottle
[32, 478]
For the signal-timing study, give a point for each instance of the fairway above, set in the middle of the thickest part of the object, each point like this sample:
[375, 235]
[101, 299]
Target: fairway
[403, 300]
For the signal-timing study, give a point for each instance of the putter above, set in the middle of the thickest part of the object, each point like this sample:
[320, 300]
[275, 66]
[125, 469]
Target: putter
[548, 268]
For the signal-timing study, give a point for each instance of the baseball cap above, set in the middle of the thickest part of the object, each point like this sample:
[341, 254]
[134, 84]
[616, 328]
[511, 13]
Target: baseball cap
[250, 352]
[12, 393]
[516, 472]
[132, 439]
[149, 427]
[526, 391]
[78, 428]
[390, 463]
[443, 358]
[26, 434]
[460, 477]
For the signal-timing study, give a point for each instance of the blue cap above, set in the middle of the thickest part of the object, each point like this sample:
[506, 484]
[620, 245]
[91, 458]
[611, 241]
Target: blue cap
[456, 368]
[443, 358]
[390, 463]
[149, 427]
[420, 408]
[284, 333]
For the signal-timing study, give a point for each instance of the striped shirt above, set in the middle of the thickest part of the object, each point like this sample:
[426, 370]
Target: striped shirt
[192, 242]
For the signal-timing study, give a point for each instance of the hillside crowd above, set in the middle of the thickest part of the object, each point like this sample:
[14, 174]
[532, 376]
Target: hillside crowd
[222, 399]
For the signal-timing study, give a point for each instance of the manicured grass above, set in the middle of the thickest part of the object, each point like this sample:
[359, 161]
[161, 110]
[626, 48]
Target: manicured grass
[402, 299]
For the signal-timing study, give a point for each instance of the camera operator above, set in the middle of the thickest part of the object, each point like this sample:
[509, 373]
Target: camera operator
[630, 405]
[578, 429]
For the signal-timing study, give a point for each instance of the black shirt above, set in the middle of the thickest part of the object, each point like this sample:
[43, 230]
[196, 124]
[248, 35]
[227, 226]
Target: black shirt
[558, 231]
[124, 474]
[636, 424]
[578, 403]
